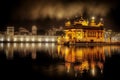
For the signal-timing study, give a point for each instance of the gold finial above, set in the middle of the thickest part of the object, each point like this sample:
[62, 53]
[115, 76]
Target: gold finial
[93, 18]
[93, 21]
[101, 22]
[68, 23]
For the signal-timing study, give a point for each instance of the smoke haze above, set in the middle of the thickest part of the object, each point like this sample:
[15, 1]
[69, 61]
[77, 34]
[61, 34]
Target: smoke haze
[58, 10]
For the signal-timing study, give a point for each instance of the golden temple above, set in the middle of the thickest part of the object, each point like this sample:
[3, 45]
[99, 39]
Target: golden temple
[83, 31]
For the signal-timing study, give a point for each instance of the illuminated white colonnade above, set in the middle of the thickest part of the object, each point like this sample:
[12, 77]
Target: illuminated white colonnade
[27, 38]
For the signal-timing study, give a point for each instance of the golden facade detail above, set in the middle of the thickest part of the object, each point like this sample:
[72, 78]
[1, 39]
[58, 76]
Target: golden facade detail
[83, 31]
[68, 23]
[84, 22]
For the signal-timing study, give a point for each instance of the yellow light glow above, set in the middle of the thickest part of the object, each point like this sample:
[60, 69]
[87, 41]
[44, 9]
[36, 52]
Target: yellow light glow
[21, 45]
[21, 39]
[93, 71]
[66, 51]
[79, 53]
[39, 39]
[46, 39]
[1, 39]
[58, 49]
[33, 39]
[101, 71]
[33, 45]
[8, 39]
[101, 19]
[67, 38]
[68, 67]
[53, 39]
[84, 66]
[15, 45]
[27, 39]
[53, 44]
[59, 40]
[8, 45]
[85, 23]
[34, 55]
[27, 45]
[46, 44]
[15, 39]
[68, 23]
[1, 45]
[93, 17]
[39, 44]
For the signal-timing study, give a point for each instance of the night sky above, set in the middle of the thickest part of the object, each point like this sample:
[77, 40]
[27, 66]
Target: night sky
[53, 13]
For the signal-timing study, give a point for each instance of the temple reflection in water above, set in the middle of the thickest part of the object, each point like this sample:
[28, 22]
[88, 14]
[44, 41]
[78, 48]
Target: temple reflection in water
[77, 59]
[84, 59]
[25, 49]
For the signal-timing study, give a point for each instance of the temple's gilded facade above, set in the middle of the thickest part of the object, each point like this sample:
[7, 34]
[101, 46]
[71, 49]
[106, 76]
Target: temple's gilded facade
[83, 31]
